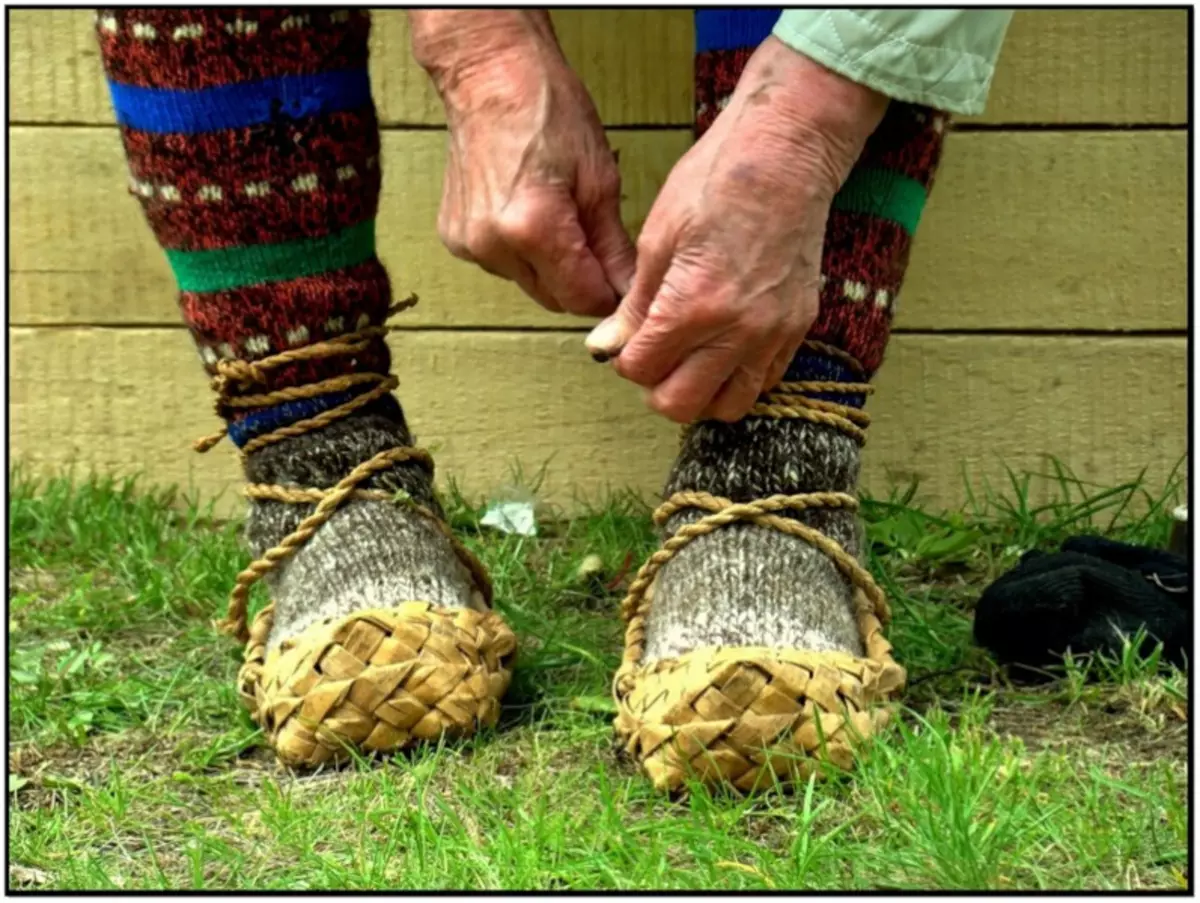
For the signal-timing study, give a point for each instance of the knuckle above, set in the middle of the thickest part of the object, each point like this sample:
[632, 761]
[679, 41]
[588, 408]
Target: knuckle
[649, 245]
[451, 236]
[481, 240]
[708, 309]
[519, 227]
[631, 367]
[761, 321]
[456, 246]
[740, 394]
[673, 408]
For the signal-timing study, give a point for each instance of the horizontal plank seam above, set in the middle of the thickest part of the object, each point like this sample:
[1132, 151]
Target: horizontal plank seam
[1069, 126]
[583, 330]
[964, 127]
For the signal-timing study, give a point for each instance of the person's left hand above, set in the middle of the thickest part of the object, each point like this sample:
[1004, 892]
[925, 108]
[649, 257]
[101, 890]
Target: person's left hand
[728, 261]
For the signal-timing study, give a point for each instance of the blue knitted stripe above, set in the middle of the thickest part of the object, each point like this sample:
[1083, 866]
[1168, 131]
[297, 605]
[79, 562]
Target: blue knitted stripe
[268, 419]
[729, 29]
[808, 366]
[166, 110]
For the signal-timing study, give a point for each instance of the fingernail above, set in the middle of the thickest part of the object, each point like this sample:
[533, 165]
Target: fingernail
[605, 339]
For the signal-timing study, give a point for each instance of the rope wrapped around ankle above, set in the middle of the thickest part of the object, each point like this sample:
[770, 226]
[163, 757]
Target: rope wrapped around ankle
[242, 375]
[635, 607]
[742, 714]
[788, 401]
[785, 401]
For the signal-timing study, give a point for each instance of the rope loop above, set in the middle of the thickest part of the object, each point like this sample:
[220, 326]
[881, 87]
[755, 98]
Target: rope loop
[234, 378]
[789, 400]
[785, 401]
[635, 607]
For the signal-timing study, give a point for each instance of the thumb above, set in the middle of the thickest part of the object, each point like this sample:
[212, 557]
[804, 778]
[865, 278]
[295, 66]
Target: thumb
[615, 331]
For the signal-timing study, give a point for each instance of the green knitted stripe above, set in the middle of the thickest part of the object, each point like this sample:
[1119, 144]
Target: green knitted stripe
[883, 193]
[226, 268]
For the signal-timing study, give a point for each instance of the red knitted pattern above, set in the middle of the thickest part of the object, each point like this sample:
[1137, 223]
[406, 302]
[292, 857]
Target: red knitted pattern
[197, 47]
[716, 75]
[873, 253]
[261, 320]
[282, 181]
[909, 141]
[864, 249]
[278, 182]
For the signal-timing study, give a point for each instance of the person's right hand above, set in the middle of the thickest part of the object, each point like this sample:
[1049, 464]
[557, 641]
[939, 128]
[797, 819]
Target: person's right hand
[532, 191]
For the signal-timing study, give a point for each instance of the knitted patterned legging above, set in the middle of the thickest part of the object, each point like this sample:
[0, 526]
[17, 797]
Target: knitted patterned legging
[254, 149]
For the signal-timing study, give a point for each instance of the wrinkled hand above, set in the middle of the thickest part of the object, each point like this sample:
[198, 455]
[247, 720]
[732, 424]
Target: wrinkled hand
[728, 261]
[532, 190]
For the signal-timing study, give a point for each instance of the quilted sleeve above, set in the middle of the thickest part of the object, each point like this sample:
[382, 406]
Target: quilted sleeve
[942, 58]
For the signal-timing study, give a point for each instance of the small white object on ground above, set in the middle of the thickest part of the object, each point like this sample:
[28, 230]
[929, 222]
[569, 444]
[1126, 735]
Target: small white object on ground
[511, 517]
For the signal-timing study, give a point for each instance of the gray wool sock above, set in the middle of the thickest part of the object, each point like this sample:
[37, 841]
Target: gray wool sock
[369, 554]
[746, 585]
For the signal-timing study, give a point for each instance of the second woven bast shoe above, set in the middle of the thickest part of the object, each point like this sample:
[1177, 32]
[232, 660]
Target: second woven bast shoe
[753, 646]
[378, 681]
[752, 715]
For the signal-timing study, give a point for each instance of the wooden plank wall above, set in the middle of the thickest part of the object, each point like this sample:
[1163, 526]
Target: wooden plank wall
[1045, 312]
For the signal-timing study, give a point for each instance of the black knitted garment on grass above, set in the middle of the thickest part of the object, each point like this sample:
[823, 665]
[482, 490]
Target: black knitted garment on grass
[1087, 598]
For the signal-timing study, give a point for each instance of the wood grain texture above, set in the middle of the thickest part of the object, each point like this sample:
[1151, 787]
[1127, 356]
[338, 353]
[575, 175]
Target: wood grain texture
[1092, 66]
[1053, 231]
[1058, 66]
[1024, 231]
[131, 400]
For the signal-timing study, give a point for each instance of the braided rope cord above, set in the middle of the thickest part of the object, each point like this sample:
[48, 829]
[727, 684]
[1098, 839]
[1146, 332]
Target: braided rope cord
[241, 375]
[788, 401]
[783, 402]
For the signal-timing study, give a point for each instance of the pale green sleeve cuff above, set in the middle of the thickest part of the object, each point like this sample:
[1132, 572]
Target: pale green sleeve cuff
[942, 58]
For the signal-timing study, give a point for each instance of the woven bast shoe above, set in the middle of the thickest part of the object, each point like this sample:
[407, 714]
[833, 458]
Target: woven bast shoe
[748, 716]
[377, 681]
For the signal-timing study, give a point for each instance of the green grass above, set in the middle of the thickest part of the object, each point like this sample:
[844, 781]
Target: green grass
[132, 765]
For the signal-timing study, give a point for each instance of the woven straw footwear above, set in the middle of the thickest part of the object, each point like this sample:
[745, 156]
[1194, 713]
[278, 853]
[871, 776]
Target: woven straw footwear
[377, 681]
[748, 716]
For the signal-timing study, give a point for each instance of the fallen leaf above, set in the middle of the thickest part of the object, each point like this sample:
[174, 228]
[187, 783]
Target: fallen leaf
[21, 874]
[590, 569]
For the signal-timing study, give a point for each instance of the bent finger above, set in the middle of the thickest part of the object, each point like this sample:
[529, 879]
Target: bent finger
[738, 395]
[685, 394]
[552, 242]
[676, 326]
